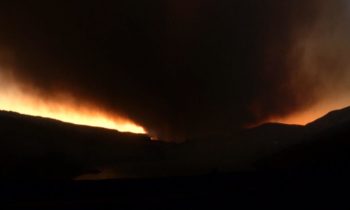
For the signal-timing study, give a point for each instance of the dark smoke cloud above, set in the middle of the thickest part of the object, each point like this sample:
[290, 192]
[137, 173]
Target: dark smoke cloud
[181, 68]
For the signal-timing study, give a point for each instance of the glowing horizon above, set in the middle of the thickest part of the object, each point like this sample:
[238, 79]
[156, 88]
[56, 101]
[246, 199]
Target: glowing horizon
[65, 108]
[315, 112]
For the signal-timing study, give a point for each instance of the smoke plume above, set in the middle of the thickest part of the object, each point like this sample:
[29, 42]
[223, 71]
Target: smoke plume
[182, 68]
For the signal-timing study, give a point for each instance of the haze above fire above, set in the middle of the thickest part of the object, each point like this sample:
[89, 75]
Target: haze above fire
[184, 68]
[23, 99]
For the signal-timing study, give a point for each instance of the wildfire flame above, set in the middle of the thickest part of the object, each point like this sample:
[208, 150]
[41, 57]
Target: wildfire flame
[24, 100]
[317, 111]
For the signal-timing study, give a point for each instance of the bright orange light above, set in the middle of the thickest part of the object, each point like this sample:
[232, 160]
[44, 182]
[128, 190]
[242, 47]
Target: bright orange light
[317, 111]
[302, 118]
[24, 100]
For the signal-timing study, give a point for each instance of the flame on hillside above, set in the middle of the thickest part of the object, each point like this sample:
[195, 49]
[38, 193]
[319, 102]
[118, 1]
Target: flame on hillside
[24, 99]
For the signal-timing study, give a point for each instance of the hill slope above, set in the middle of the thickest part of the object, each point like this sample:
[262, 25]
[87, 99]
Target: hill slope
[45, 148]
[327, 148]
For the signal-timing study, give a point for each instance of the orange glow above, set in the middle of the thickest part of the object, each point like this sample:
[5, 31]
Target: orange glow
[302, 118]
[24, 100]
[315, 112]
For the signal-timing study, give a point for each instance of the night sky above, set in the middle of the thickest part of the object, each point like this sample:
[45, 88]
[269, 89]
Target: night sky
[182, 68]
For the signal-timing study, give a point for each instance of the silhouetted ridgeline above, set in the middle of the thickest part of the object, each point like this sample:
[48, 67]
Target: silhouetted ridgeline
[327, 149]
[286, 167]
[35, 147]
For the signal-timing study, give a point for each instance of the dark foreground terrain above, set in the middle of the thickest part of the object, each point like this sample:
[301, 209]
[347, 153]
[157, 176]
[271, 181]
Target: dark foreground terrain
[229, 191]
[290, 167]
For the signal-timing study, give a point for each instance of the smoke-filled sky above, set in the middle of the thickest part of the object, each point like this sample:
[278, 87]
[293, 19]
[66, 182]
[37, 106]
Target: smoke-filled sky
[184, 68]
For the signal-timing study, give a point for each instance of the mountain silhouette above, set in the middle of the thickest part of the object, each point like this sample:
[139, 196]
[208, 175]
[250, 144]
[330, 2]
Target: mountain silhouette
[282, 161]
[41, 148]
[36, 147]
[332, 119]
[326, 148]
